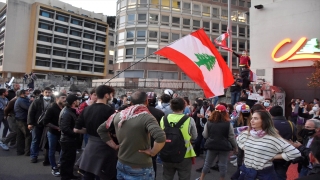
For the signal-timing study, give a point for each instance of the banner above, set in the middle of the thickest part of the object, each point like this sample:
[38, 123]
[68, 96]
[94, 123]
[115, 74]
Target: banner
[255, 96]
[280, 100]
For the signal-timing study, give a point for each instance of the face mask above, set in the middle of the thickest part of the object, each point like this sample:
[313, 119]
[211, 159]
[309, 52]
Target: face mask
[86, 97]
[46, 98]
[110, 102]
[315, 109]
[307, 133]
[266, 104]
[248, 92]
[128, 102]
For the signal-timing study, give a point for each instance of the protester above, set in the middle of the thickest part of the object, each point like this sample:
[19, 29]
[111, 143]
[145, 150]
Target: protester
[165, 104]
[235, 89]
[67, 121]
[98, 159]
[12, 92]
[220, 140]
[21, 107]
[189, 131]
[201, 120]
[37, 109]
[3, 103]
[262, 144]
[134, 154]
[244, 60]
[51, 120]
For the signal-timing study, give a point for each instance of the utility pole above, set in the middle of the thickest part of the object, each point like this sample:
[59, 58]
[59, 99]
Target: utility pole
[230, 36]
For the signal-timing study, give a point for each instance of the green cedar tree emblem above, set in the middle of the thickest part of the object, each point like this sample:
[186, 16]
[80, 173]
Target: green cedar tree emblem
[207, 60]
[311, 46]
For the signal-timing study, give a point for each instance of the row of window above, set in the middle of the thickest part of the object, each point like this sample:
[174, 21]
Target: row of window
[176, 5]
[153, 74]
[72, 31]
[72, 20]
[70, 42]
[55, 63]
[49, 50]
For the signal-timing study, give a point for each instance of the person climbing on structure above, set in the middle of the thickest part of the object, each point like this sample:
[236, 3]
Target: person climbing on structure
[244, 60]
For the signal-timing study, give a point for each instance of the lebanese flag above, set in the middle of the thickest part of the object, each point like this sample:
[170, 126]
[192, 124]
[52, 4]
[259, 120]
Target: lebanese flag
[200, 60]
[253, 76]
[221, 41]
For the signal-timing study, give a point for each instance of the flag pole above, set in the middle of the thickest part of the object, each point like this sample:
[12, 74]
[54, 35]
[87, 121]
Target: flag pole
[230, 36]
[127, 68]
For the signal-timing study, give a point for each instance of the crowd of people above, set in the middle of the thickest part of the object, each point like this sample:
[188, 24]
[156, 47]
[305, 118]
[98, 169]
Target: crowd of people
[125, 137]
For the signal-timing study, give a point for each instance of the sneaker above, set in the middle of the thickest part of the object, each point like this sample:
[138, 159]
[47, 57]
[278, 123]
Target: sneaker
[198, 178]
[233, 156]
[235, 164]
[233, 161]
[34, 160]
[4, 146]
[55, 172]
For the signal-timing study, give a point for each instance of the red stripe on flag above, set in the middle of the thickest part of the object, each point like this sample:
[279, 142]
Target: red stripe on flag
[188, 67]
[227, 75]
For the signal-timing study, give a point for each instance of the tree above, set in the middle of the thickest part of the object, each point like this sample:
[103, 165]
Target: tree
[206, 60]
[311, 46]
[314, 80]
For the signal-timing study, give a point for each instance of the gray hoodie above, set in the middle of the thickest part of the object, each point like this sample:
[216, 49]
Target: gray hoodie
[165, 107]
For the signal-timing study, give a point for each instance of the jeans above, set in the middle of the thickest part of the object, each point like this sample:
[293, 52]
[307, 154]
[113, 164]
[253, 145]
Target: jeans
[304, 171]
[183, 169]
[128, 173]
[23, 138]
[235, 97]
[12, 136]
[5, 124]
[85, 139]
[36, 138]
[53, 142]
[223, 161]
[215, 101]
[67, 159]
[281, 167]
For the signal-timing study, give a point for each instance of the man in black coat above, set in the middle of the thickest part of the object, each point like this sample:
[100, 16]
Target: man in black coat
[288, 131]
[36, 109]
[12, 92]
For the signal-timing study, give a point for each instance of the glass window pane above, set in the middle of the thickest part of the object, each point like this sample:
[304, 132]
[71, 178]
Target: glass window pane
[141, 33]
[205, 10]
[175, 36]
[154, 17]
[130, 34]
[129, 51]
[153, 34]
[215, 12]
[140, 53]
[131, 19]
[176, 5]
[142, 17]
[196, 9]
[206, 26]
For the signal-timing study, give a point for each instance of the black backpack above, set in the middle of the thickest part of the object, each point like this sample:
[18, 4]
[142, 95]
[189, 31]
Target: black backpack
[174, 150]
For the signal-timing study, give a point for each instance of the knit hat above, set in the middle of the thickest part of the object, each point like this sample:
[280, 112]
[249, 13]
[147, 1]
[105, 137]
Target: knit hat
[245, 108]
[71, 98]
[220, 108]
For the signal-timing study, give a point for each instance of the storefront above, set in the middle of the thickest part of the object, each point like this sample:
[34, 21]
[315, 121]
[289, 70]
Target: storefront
[284, 43]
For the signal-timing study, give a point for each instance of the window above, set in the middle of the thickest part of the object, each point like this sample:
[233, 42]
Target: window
[111, 43]
[59, 52]
[186, 23]
[234, 44]
[164, 20]
[100, 48]
[86, 67]
[206, 11]
[131, 19]
[234, 15]
[90, 25]
[234, 30]
[58, 63]
[74, 54]
[42, 62]
[121, 37]
[43, 49]
[186, 8]
[153, 35]
[165, 4]
[45, 26]
[142, 18]
[46, 14]
[164, 37]
[151, 51]
[141, 35]
[184, 77]
[62, 18]
[176, 5]
[120, 54]
[234, 61]
[99, 59]
[130, 35]
[206, 26]
[99, 69]
[74, 43]
[162, 75]
[123, 4]
[196, 24]
[101, 28]
[110, 72]
[242, 3]
[153, 18]
[43, 37]
[248, 33]
[60, 40]
[142, 3]
[175, 21]
[75, 33]
[224, 14]
[132, 3]
[88, 36]
[76, 22]
[73, 65]
[215, 12]
[224, 28]
[234, 2]
[99, 38]
[129, 52]
[242, 17]
[249, 4]
[224, 1]
[87, 56]
[242, 31]
[61, 29]
[122, 20]
[110, 61]
[196, 9]
[154, 3]
[215, 27]
[175, 37]
[87, 45]
[242, 46]
[140, 53]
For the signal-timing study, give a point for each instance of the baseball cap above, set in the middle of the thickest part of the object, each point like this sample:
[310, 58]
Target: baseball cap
[220, 108]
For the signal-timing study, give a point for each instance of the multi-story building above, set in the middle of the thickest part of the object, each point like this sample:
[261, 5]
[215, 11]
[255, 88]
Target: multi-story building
[50, 36]
[144, 26]
[111, 36]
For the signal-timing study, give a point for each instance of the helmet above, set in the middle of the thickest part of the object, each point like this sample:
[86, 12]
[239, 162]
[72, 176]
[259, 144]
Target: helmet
[169, 92]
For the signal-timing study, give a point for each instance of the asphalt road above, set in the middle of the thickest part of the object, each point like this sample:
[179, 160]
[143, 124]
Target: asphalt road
[13, 167]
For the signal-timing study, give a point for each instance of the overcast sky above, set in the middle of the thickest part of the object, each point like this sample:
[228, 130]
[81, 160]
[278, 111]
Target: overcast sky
[107, 7]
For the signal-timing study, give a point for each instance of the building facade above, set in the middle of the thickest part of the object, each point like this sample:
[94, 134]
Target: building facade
[144, 26]
[284, 40]
[49, 36]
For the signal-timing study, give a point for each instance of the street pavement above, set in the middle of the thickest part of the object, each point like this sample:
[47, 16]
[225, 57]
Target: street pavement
[13, 167]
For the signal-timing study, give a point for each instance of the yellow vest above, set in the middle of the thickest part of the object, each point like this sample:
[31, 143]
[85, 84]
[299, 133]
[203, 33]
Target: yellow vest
[174, 118]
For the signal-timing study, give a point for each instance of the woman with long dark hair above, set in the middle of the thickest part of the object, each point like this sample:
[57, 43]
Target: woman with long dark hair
[220, 140]
[262, 144]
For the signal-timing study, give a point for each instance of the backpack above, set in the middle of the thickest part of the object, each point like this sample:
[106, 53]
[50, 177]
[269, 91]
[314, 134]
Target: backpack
[174, 150]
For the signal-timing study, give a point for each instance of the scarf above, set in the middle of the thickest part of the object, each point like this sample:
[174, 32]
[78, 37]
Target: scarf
[128, 113]
[257, 134]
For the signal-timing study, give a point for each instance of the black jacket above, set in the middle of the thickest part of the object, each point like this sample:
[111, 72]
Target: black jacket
[35, 110]
[11, 94]
[285, 130]
[21, 107]
[67, 120]
[314, 174]
[52, 116]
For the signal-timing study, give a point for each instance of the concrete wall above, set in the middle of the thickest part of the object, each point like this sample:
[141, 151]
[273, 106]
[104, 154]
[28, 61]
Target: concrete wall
[280, 19]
